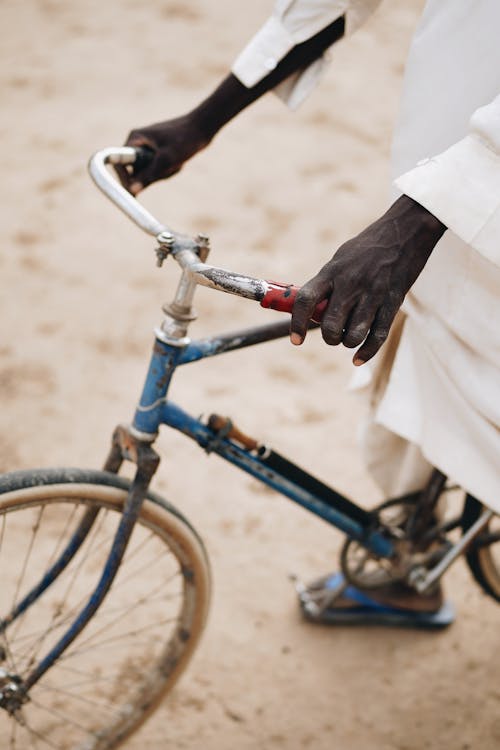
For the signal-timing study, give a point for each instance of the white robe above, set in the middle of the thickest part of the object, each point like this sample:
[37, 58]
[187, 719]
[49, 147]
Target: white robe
[435, 386]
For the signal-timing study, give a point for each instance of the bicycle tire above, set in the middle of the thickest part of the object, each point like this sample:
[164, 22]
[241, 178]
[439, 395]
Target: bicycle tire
[483, 560]
[93, 697]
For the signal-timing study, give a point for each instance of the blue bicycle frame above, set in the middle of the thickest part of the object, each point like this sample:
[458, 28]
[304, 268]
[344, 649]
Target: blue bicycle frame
[135, 443]
[155, 409]
[172, 349]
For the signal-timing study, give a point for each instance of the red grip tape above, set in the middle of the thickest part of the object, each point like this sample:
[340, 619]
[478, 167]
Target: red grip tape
[281, 297]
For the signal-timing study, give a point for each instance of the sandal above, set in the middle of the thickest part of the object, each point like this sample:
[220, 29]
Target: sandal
[332, 601]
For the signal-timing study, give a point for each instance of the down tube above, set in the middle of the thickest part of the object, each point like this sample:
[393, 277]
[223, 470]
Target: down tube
[177, 418]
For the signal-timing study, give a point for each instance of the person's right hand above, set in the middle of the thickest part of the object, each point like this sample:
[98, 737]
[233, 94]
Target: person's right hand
[368, 278]
[172, 142]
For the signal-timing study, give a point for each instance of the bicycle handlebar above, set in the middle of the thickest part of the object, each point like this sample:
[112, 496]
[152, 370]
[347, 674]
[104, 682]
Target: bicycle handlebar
[270, 294]
[115, 192]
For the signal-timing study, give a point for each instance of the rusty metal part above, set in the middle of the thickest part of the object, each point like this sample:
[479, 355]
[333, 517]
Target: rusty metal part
[165, 243]
[127, 446]
[224, 425]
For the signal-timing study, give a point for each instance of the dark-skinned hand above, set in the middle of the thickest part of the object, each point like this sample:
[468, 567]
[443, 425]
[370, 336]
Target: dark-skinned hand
[367, 279]
[172, 143]
[175, 141]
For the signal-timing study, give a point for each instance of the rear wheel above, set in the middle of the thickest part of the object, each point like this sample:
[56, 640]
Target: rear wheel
[483, 557]
[137, 644]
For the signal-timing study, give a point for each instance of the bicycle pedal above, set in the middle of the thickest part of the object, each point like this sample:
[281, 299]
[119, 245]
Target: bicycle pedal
[304, 595]
[314, 601]
[298, 584]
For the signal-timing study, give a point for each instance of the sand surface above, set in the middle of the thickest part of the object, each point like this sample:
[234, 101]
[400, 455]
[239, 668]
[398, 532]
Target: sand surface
[277, 192]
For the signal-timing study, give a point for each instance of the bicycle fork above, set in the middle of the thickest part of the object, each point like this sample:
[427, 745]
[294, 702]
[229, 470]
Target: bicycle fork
[14, 690]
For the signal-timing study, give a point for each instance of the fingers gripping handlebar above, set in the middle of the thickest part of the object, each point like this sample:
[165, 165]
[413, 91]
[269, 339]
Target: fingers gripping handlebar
[282, 297]
[183, 248]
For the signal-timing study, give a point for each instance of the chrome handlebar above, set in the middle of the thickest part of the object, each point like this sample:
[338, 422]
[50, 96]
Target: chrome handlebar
[187, 251]
[183, 248]
[115, 192]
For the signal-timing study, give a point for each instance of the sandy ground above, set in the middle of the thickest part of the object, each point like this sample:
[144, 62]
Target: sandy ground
[81, 294]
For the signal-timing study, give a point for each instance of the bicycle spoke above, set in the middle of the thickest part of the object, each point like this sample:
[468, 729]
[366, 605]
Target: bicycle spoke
[3, 635]
[146, 601]
[49, 628]
[27, 556]
[121, 581]
[149, 599]
[106, 641]
[11, 662]
[77, 566]
[28, 653]
[61, 716]
[32, 736]
[8, 653]
[147, 566]
[37, 736]
[48, 565]
[20, 580]
[103, 684]
[120, 616]
[104, 612]
[362, 561]
[13, 734]
[131, 553]
[117, 585]
[90, 679]
[73, 578]
[67, 525]
[73, 696]
[2, 530]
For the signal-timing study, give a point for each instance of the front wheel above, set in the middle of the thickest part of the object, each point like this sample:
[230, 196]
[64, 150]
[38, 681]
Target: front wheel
[483, 556]
[139, 641]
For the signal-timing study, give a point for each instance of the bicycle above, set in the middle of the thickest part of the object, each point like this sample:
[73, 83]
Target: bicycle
[83, 663]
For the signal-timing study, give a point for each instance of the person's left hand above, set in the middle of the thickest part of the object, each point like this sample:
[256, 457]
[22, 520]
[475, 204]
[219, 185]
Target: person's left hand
[170, 143]
[367, 279]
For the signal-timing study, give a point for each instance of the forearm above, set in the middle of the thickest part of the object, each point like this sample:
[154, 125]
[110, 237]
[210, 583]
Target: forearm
[174, 141]
[231, 96]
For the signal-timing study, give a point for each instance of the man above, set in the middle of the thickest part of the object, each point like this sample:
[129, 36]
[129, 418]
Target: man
[435, 387]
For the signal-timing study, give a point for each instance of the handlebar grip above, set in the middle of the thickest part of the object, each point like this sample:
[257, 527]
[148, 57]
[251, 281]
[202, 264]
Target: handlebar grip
[281, 297]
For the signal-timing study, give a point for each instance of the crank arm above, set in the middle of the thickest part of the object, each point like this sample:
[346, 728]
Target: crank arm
[423, 580]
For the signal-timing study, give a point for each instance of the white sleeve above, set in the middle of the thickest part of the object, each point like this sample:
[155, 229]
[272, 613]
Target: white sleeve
[293, 22]
[461, 186]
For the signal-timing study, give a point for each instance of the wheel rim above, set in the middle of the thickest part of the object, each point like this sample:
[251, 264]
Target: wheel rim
[131, 651]
[489, 557]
